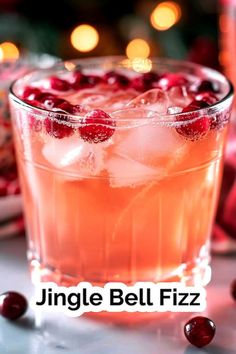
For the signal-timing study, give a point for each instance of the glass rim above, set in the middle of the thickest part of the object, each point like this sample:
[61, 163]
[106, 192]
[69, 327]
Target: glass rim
[212, 109]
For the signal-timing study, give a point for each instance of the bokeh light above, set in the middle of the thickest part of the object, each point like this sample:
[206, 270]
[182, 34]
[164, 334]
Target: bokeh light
[84, 38]
[165, 15]
[137, 48]
[8, 51]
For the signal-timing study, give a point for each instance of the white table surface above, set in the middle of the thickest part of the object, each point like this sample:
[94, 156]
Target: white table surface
[59, 334]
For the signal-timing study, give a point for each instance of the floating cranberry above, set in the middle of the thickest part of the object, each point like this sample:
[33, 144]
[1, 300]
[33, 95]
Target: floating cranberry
[139, 84]
[207, 97]
[199, 331]
[77, 79]
[169, 80]
[30, 93]
[70, 108]
[233, 289]
[97, 126]
[91, 80]
[12, 305]
[150, 77]
[197, 128]
[114, 78]
[52, 102]
[207, 85]
[55, 128]
[58, 84]
[144, 82]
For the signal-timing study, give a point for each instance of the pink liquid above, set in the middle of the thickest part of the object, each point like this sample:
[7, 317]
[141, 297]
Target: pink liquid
[136, 207]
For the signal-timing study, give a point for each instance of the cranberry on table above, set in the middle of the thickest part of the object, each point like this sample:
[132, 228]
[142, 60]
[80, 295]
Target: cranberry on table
[12, 305]
[233, 289]
[96, 126]
[199, 331]
[198, 127]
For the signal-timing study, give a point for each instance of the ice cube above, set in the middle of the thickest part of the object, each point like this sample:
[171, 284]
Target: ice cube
[155, 100]
[124, 172]
[179, 96]
[151, 144]
[75, 156]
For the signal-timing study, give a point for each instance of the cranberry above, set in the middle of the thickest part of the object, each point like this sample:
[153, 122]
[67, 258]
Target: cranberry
[207, 85]
[35, 124]
[58, 84]
[198, 128]
[51, 102]
[97, 126]
[233, 289]
[114, 78]
[30, 93]
[12, 305]
[91, 80]
[139, 84]
[207, 97]
[56, 129]
[170, 80]
[199, 331]
[77, 80]
[144, 82]
[82, 81]
[151, 76]
[69, 108]
[3, 187]
[76, 109]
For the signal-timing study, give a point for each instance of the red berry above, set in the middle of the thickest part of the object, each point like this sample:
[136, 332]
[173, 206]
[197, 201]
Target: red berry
[144, 82]
[70, 108]
[30, 93]
[207, 85]
[199, 127]
[82, 81]
[207, 97]
[52, 102]
[97, 126]
[170, 80]
[12, 305]
[56, 129]
[152, 76]
[139, 84]
[199, 331]
[91, 80]
[114, 78]
[58, 84]
[77, 80]
[233, 289]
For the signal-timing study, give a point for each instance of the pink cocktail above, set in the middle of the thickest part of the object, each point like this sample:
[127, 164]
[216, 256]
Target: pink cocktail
[120, 170]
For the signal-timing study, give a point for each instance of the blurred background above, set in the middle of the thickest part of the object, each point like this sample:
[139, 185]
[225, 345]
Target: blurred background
[143, 28]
